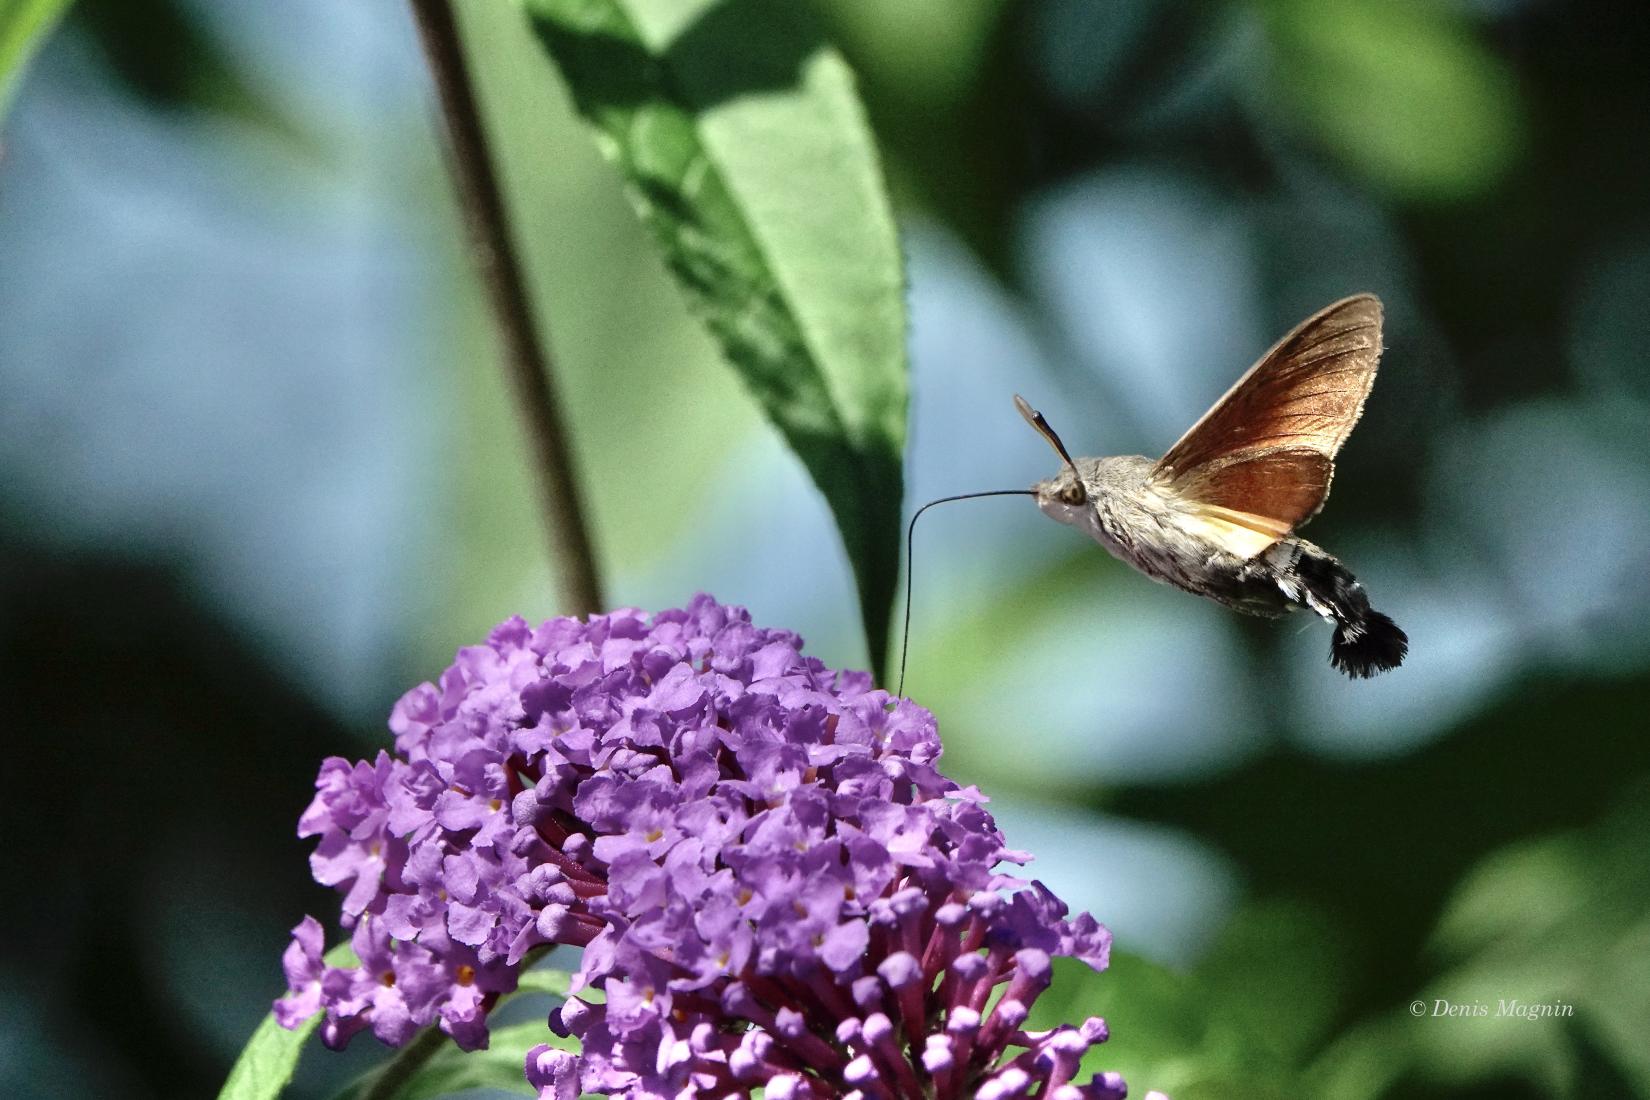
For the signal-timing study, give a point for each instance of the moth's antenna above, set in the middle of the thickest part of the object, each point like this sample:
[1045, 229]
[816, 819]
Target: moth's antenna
[910, 535]
[1035, 419]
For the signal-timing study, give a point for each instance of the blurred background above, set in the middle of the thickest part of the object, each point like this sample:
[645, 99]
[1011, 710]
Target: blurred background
[259, 475]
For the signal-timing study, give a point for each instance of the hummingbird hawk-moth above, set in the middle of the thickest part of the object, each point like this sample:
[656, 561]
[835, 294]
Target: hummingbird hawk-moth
[1217, 515]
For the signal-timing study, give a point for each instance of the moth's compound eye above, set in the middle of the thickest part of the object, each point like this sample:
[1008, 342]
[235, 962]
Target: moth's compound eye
[1073, 494]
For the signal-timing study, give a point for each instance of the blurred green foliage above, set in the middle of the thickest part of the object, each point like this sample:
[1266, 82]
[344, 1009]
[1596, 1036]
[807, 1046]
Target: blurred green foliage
[1562, 920]
[1539, 954]
[24, 24]
[1403, 91]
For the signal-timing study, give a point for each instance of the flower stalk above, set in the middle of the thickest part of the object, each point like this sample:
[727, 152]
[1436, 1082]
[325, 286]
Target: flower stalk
[525, 349]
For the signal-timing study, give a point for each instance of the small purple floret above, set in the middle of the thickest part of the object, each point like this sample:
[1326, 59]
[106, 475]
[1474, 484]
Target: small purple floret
[773, 885]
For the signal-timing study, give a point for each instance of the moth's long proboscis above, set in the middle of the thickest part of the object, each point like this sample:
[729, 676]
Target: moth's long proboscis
[910, 536]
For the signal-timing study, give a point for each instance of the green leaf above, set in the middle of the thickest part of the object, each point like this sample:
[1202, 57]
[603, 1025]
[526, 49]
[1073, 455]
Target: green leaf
[24, 25]
[269, 1057]
[545, 979]
[745, 151]
[420, 1072]
[500, 1066]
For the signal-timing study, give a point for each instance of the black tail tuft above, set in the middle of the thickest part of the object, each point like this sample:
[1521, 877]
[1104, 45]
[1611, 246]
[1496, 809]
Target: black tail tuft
[1366, 641]
[1367, 644]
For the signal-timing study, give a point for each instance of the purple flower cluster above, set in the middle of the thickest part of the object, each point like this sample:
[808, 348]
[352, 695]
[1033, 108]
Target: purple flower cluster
[773, 885]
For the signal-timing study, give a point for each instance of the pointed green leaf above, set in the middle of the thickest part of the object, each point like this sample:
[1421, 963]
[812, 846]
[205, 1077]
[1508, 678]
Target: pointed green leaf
[744, 148]
[269, 1057]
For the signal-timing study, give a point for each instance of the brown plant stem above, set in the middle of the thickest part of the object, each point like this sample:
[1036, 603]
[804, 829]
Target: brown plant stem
[527, 359]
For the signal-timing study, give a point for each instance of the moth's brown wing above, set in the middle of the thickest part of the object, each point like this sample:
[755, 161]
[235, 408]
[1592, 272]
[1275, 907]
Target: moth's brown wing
[1283, 487]
[1267, 448]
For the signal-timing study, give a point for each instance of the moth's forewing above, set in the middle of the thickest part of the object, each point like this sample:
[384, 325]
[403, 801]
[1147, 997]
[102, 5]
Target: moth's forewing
[1267, 448]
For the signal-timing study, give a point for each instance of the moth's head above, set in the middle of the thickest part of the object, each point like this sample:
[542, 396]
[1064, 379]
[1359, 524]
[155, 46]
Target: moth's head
[1063, 496]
